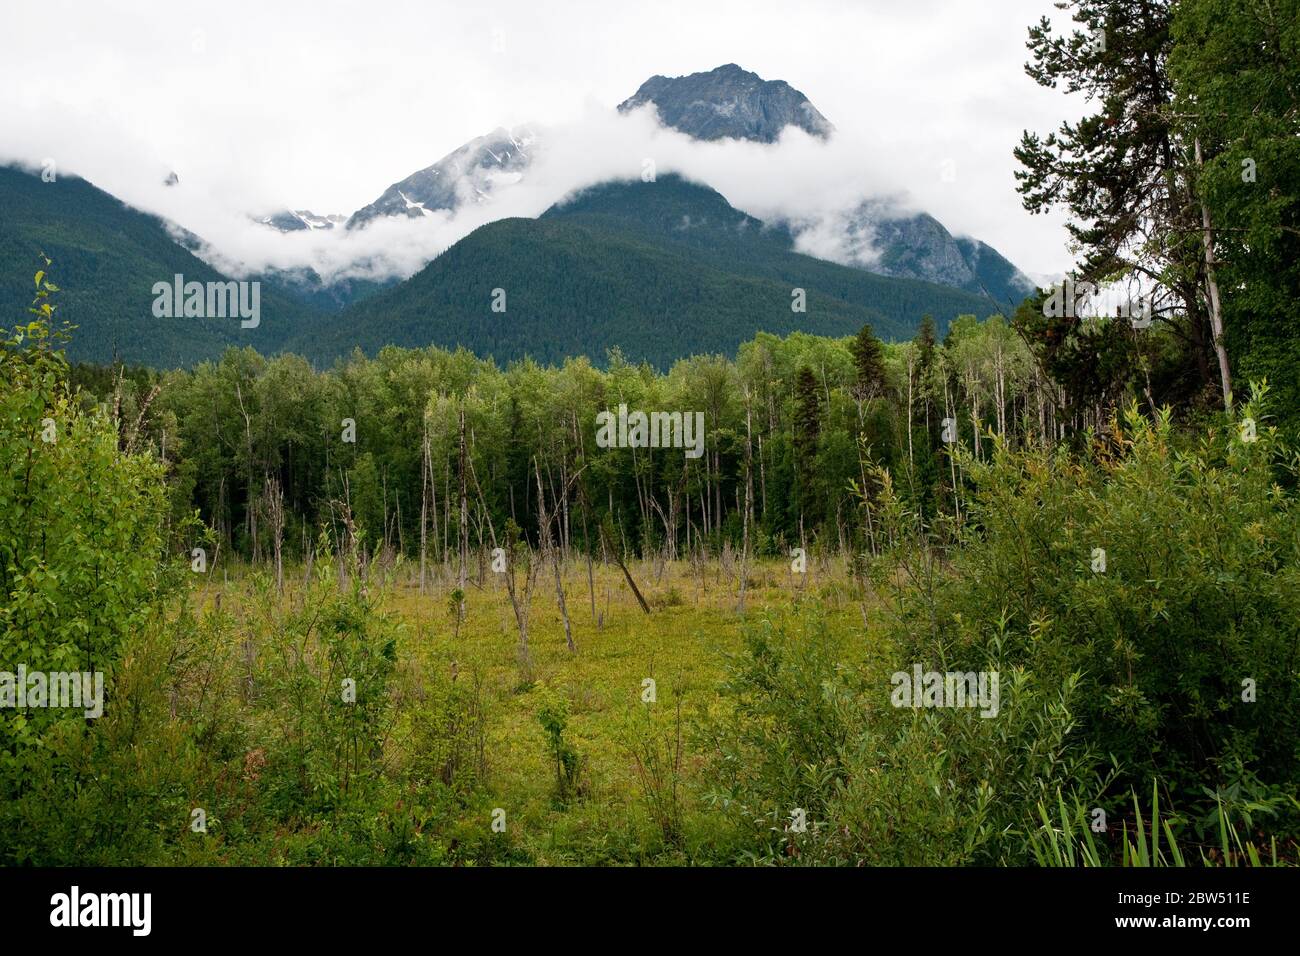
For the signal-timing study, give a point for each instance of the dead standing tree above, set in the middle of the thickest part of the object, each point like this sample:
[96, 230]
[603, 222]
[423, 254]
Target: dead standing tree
[273, 510]
[749, 501]
[520, 599]
[549, 551]
[464, 512]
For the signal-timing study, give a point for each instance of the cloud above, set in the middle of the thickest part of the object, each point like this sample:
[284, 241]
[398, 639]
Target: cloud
[321, 105]
[813, 184]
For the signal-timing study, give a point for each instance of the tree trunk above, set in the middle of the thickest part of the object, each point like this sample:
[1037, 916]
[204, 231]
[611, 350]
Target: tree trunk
[550, 553]
[1212, 287]
[618, 558]
[464, 516]
[424, 503]
[749, 500]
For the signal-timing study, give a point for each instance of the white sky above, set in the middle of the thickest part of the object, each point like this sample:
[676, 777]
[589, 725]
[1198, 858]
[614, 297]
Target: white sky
[323, 104]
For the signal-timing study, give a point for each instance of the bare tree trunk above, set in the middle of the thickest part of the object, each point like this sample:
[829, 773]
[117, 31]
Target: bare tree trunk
[464, 516]
[250, 506]
[618, 558]
[384, 536]
[749, 500]
[550, 553]
[586, 546]
[424, 502]
[520, 604]
[273, 499]
[401, 538]
[909, 410]
[1212, 286]
[952, 464]
[717, 487]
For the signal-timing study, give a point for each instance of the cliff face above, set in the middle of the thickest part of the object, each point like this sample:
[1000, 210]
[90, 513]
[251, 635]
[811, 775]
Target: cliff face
[729, 103]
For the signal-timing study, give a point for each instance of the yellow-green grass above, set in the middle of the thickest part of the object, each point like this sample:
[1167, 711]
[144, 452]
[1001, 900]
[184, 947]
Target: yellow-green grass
[681, 645]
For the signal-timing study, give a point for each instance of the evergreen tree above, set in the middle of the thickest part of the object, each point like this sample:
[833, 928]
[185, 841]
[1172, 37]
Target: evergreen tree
[807, 429]
[1123, 173]
[869, 363]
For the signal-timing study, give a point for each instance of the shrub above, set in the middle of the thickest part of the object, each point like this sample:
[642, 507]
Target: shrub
[813, 730]
[82, 560]
[1176, 659]
[1186, 642]
[569, 765]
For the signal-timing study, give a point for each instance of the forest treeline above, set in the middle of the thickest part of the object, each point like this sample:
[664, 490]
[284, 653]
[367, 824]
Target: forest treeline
[403, 445]
[431, 453]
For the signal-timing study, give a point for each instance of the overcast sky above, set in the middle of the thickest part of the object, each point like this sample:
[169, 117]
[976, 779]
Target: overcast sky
[323, 104]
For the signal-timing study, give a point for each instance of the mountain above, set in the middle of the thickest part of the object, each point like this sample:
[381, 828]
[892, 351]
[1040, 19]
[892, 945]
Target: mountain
[729, 103]
[469, 174]
[297, 220]
[661, 270]
[995, 276]
[305, 285]
[107, 257]
[919, 247]
[726, 102]
[692, 215]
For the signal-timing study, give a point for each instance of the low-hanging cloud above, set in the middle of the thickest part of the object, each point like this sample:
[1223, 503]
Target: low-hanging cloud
[816, 186]
[260, 107]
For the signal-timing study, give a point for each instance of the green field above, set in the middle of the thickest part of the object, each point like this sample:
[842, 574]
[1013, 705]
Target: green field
[683, 645]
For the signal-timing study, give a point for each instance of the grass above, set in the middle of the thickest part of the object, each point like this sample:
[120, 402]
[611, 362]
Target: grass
[631, 778]
[1068, 841]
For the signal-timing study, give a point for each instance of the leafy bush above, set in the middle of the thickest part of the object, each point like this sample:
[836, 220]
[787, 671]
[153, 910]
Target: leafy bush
[813, 730]
[1175, 659]
[569, 764]
[82, 558]
[1186, 640]
[656, 753]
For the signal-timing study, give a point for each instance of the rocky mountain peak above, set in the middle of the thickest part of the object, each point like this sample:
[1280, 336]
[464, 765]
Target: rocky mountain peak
[729, 102]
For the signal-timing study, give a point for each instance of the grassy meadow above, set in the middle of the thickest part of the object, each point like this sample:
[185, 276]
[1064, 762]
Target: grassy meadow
[683, 645]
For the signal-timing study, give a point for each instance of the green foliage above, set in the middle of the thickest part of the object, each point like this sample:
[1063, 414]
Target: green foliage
[657, 751]
[569, 764]
[1197, 596]
[616, 269]
[248, 718]
[869, 363]
[1193, 613]
[82, 543]
[814, 730]
[1236, 64]
[109, 257]
[324, 680]
[1127, 173]
[1068, 838]
[1154, 664]
[1133, 580]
